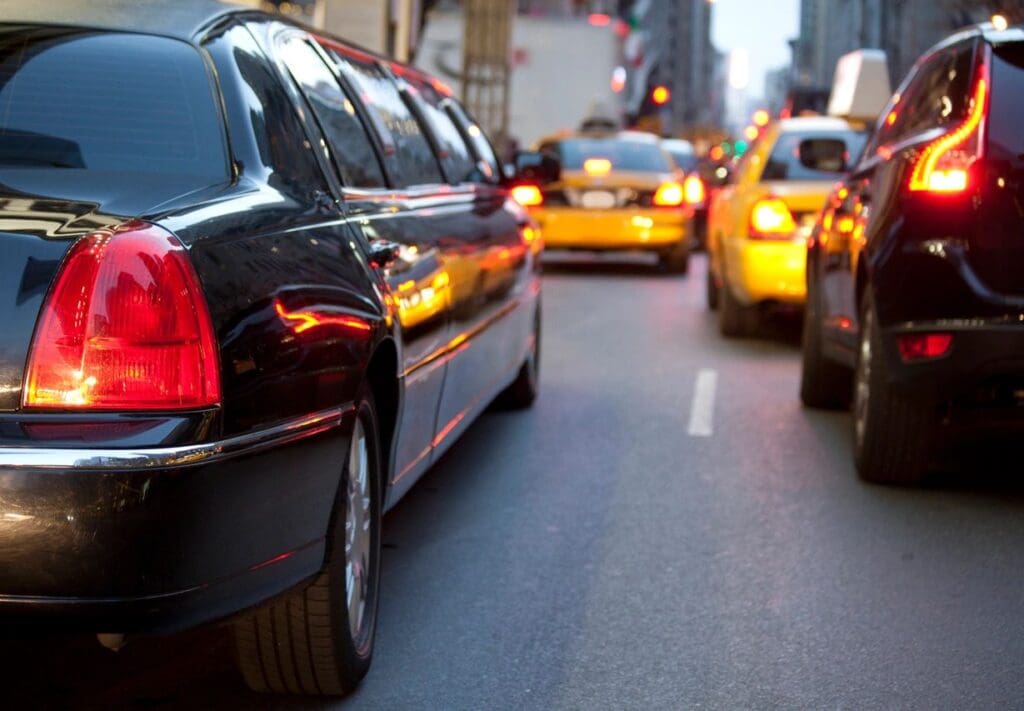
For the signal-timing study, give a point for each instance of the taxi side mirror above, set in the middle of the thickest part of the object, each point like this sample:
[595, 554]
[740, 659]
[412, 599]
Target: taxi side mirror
[536, 168]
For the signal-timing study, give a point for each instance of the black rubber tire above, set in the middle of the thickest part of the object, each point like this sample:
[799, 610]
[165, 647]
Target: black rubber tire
[898, 430]
[711, 288]
[523, 391]
[676, 260]
[301, 644]
[824, 384]
[736, 320]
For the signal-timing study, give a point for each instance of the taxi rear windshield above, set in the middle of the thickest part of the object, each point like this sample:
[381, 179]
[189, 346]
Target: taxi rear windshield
[623, 155]
[784, 162]
[99, 101]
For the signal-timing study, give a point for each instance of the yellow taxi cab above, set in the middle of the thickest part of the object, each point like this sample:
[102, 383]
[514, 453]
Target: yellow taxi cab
[616, 191]
[759, 223]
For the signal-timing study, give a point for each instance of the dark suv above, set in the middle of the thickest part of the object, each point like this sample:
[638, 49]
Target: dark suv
[915, 271]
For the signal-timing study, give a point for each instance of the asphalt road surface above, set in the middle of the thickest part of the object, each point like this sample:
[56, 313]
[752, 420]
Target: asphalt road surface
[667, 529]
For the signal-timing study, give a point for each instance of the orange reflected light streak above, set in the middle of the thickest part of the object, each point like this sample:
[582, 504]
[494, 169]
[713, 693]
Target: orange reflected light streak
[301, 321]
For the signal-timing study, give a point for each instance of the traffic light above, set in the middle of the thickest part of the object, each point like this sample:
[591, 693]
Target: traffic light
[661, 95]
[761, 118]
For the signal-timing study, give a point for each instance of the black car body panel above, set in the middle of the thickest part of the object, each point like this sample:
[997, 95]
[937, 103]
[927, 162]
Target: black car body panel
[142, 521]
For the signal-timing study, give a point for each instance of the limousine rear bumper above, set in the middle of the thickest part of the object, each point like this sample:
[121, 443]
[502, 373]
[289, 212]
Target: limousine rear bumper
[160, 539]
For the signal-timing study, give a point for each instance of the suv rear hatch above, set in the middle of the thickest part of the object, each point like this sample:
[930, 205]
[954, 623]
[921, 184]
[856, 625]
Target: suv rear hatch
[996, 247]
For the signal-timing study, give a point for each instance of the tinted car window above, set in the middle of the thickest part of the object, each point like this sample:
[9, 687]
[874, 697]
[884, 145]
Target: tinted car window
[490, 166]
[413, 154]
[623, 155]
[936, 96]
[351, 145]
[784, 160]
[1006, 110]
[116, 103]
[457, 158]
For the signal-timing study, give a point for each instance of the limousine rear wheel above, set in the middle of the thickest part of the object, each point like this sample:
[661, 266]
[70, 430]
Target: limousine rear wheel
[319, 640]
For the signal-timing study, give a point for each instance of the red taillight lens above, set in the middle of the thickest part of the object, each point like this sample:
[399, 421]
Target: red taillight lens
[124, 327]
[770, 218]
[527, 195]
[944, 164]
[669, 195]
[924, 346]
[693, 189]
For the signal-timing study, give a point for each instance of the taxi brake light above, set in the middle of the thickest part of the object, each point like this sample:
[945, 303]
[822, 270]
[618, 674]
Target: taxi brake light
[693, 187]
[669, 195]
[527, 195]
[597, 167]
[770, 218]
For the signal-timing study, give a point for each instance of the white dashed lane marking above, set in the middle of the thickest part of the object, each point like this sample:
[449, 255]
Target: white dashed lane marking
[702, 410]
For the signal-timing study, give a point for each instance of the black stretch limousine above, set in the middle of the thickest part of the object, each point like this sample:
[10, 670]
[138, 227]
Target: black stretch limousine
[254, 282]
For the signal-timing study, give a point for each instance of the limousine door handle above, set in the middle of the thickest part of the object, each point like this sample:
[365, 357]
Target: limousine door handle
[383, 252]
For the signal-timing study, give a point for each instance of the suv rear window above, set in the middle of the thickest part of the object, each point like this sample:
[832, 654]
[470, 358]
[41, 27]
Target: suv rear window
[623, 155]
[784, 161]
[1006, 110]
[108, 102]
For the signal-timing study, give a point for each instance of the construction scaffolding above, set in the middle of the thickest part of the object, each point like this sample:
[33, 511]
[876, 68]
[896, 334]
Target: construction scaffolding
[486, 62]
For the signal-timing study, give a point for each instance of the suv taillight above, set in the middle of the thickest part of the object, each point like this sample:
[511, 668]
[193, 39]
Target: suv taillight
[124, 327]
[944, 164]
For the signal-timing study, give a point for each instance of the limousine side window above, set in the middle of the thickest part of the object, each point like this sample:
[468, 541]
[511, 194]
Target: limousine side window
[460, 164]
[354, 153]
[490, 167]
[416, 162]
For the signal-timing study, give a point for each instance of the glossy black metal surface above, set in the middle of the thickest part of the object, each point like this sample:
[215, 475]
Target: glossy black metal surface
[932, 261]
[301, 313]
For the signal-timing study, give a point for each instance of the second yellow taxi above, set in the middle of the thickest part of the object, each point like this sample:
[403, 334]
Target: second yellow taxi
[758, 224]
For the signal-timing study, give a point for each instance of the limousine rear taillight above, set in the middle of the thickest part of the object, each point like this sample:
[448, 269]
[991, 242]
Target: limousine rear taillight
[124, 327]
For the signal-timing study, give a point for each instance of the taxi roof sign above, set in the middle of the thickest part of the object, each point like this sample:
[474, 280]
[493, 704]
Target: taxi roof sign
[860, 89]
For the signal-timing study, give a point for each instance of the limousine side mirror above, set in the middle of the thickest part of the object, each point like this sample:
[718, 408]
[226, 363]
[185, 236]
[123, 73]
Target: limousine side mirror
[536, 168]
[823, 154]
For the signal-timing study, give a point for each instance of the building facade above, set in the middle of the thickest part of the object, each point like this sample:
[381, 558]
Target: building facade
[904, 29]
[669, 44]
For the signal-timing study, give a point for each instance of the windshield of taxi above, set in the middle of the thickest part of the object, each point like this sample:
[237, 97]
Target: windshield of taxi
[636, 156]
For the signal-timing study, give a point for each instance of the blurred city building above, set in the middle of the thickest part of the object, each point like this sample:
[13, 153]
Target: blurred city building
[904, 29]
[668, 43]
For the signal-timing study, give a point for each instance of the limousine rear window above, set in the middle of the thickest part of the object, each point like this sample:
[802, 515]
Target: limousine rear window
[107, 102]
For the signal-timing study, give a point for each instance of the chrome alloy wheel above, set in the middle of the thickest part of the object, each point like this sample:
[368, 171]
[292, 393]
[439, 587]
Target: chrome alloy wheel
[358, 535]
[862, 391]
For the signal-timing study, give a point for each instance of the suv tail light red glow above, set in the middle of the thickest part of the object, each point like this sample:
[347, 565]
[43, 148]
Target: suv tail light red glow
[124, 327]
[770, 218]
[924, 346]
[944, 164]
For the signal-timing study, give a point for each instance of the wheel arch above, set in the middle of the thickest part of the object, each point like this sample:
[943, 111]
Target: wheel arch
[383, 379]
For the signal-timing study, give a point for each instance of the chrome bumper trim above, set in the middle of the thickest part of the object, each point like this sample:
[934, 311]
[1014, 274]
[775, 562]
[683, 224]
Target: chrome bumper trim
[170, 457]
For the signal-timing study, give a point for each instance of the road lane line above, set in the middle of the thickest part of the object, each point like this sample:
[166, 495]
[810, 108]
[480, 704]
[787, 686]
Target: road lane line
[702, 410]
